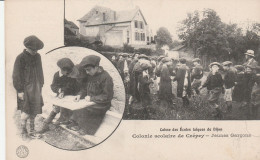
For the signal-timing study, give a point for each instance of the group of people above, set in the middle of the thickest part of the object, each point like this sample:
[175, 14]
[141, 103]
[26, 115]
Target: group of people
[145, 75]
[86, 81]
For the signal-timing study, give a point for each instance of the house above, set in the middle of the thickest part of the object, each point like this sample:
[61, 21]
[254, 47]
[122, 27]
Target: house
[70, 28]
[116, 28]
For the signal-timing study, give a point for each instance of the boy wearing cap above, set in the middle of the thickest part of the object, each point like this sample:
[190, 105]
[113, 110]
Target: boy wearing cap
[183, 82]
[165, 89]
[98, 89]
[143, 83]
[196, 75]
[137, 70]
[62, 85]
[229, 83]
[28, 81]
[214, 84]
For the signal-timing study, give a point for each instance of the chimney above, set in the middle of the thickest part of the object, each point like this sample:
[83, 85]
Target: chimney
[114, 15]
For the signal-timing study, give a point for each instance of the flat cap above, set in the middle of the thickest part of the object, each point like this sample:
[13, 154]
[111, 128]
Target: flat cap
[214, 63]
[239, 67]
[182, 60]
[124, 55]
[166, 59]
[227, 63]
[33, 43]
[143, 56]
[196, 60]
[92, 60]
[65, 63]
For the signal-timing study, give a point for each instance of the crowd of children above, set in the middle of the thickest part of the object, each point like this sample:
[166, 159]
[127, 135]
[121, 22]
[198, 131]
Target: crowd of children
[145, 75]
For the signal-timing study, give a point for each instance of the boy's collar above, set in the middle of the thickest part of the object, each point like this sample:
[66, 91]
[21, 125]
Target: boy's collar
[60, 74]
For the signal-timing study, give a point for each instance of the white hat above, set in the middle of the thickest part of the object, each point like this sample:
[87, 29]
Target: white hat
[250, 53]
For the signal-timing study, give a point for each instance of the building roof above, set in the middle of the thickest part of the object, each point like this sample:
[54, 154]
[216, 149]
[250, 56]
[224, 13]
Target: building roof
[72, 25]
[177, 48]
[111, 16]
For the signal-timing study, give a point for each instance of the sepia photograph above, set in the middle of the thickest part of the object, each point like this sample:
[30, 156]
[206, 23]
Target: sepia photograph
[132, 79]
[177, 61]
[81, 103]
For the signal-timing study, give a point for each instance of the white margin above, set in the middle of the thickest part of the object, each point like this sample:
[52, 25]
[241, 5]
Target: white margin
[2, 83]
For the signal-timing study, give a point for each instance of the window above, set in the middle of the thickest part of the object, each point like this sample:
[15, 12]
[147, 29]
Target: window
[127, 33]
[142, 37]
[136, 24]
[96, 12]
[148, 38]
[136, 36]
[141, 25]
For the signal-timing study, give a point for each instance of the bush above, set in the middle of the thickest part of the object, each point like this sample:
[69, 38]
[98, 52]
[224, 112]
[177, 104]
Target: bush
[72, 41]
[146, 51]
[128, 48]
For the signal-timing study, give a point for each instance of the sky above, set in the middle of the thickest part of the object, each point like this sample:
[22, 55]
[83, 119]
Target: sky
[169, 13]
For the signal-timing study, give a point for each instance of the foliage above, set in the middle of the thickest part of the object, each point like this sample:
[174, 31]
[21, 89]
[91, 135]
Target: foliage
[213, 39]
[128, 48]
[163, 37]
[146, 51]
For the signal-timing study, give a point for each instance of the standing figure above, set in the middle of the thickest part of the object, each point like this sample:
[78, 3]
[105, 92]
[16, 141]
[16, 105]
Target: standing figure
[28, 81]
[250, 65]
[214, 84]
[143, 83]
[196, 75]
[255, 96]
[240, 85]
[183, 82]
[229, 83]
[165, 89]
[133, 79]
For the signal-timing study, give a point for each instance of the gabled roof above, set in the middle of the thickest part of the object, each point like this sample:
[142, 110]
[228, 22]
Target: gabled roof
[121, 16]
[72, 25]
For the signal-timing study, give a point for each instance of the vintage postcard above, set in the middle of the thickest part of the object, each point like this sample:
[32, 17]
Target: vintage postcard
[132, 79]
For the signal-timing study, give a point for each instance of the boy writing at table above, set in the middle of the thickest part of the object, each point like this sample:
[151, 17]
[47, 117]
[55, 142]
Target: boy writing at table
[62, 85]
[98, 89]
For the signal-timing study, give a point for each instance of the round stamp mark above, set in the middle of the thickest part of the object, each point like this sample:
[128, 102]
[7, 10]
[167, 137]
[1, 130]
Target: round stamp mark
[22, 151]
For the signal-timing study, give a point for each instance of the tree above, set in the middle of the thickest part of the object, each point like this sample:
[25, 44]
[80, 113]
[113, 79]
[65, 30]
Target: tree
[214, 40]
[163, 37]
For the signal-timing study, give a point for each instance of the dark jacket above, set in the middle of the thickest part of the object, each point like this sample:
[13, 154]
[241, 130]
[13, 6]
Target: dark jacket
[165, 89]
[99, 87]
[213, 81]
[23, 70]
[239, 89]
[197, 72]
[28, 78]
[180, 77]
[67, 85]
[229, 79]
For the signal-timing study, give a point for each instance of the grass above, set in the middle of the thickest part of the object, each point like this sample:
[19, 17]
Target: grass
[197, 110]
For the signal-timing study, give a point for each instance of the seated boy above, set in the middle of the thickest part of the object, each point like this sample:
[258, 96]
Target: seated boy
[98, 89]
[62, 85]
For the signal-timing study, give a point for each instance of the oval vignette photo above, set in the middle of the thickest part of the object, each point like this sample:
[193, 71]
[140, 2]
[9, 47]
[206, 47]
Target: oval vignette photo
[83, 96]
